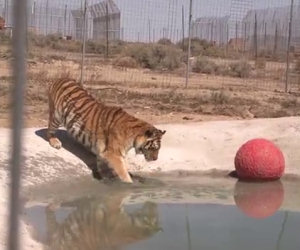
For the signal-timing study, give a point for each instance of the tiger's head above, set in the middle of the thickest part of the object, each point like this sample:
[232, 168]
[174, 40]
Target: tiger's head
[148, 144]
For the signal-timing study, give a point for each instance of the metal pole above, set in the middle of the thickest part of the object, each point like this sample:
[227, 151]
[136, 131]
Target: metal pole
[65, 20]
[6, 12]
[19, 73]
[182, 27]
[83, 41]
[275, 40]
[265, 37]
[46, 28]
[107, 42]
[255, 36]
[149, 30]
[189, 46]
[288, 47]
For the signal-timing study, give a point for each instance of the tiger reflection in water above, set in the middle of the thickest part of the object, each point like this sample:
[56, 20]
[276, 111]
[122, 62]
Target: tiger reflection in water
[96, 224]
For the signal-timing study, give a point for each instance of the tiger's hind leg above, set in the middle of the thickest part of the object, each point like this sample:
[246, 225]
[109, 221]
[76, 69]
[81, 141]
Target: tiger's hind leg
[111, 165]
[53, 125]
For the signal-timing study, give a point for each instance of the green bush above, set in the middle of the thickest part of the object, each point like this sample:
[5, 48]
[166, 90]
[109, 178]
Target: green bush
[53, 41]
[154, 56]
[95, 47]
[240, 69]
[165, 41]
[4, 38]
[201, 47]
[126, 61]
[219, 97]
[204, 65]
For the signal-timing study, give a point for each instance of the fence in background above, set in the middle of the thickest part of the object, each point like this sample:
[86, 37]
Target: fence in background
[265, 34]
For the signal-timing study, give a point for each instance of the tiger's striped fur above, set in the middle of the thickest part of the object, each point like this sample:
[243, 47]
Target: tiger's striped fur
[109, 132]
[96, 224]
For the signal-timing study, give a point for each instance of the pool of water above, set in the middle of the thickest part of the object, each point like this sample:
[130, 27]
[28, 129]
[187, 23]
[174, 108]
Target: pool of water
[211, 214]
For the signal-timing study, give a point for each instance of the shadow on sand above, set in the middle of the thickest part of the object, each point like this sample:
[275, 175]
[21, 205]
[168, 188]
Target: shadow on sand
[69, 144]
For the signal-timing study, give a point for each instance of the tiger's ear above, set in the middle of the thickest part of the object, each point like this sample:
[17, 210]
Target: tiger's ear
[162, 132]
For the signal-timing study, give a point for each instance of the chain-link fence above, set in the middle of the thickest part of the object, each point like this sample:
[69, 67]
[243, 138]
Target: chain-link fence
[154, 47]
[232, 41]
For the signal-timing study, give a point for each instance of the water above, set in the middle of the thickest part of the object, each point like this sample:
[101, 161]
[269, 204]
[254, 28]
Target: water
[214, 214]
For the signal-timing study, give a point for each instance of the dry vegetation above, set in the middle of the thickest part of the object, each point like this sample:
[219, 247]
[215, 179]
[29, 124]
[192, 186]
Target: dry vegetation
[148, 80]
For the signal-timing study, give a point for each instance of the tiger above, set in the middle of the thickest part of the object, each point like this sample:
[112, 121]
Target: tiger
[100, 223]
[109, 132]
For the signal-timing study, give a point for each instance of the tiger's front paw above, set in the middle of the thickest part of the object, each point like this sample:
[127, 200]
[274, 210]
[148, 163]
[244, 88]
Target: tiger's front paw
[55, 143]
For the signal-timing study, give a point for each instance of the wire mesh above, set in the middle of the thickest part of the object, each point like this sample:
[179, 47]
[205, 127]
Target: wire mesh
[143, 44]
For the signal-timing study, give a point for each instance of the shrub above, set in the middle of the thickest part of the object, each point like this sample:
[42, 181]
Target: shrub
[260, 63]
[219, 97]
[201, 47]
[240, 69]
[95, 47]
[204, 65]
[53, 41]
[164, 41]
[155, 56]
[125, 61]
[4, 37]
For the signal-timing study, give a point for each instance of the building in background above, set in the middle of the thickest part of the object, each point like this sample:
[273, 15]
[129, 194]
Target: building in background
[213, 29]
[105, 20]
[272, 28]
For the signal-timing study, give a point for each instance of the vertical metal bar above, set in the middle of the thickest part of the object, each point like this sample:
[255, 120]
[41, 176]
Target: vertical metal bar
[19, 73]
[6, 12]
[275, 40]
[255, 36]
[265, 37]
[182, 13]
[34, 16]
[189, 46]
[288, 47]
[83, 41]
[236, 36]
[106, 19]
[149, 30]
[153, 35]
[245, 36]
[46, 29]
[227, 37]
[65, 20]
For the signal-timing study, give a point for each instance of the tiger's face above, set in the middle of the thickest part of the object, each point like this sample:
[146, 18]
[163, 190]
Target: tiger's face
[149, 144]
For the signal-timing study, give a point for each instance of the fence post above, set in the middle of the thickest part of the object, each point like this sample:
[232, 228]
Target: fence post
[189, 46]
[245, 37]
[182, 16]
[149, 30]
[46, 28]
[255, 36]
[288, 47]
[265, 37]
[275, 40]
[106, 21]
[83, 41]
[65, 20]
[19, 78]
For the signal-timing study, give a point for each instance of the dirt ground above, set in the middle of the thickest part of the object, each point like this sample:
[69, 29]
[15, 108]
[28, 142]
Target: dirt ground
[155, 96]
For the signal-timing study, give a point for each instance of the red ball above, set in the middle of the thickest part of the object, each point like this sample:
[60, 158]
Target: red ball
[259, 200]
[259, 159]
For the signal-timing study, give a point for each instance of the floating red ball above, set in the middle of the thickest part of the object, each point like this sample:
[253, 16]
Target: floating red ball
[259, 159]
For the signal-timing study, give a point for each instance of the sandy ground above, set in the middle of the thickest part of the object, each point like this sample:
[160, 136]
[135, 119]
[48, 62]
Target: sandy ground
[205, 146]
